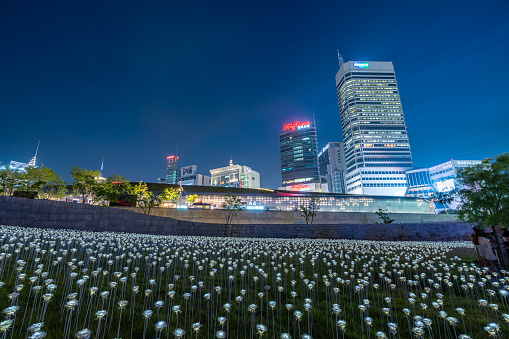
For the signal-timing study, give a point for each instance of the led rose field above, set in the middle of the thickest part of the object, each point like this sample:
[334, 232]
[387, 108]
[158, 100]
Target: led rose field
[73, 284]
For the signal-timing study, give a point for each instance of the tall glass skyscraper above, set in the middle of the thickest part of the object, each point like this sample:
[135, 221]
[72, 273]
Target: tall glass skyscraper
[377, 149]
[172, 169]
[299, 155]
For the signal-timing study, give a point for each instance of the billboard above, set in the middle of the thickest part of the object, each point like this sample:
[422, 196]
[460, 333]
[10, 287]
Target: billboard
[445, 186]
[300, 187]
[187, 170]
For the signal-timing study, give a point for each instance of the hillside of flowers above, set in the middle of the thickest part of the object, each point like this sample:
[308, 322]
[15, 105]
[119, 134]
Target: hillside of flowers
[77, 284]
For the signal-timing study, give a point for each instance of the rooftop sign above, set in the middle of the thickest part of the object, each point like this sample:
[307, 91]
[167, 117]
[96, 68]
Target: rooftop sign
[172, 158]
[360, 64]
[469, 162]
[299, 187]
[297, 124]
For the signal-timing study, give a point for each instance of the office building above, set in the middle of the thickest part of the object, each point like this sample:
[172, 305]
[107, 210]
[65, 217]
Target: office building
[188, 175]
[424, 182]
[332, 167]
[298, 151]
[172, 169]
[443, 178]
[377, 149]
[235, 176]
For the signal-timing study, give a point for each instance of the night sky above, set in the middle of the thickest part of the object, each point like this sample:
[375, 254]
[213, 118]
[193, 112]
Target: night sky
[131, 82]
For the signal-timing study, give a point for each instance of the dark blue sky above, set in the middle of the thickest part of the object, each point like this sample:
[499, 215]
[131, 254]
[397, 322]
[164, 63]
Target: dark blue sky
[130, 82]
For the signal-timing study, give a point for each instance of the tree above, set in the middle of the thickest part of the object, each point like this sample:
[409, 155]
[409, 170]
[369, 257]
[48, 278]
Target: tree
[192, 198]
[308, 211]
[384, 215]
[9, 179]
[484, 200]
[31, 178]
[231, 205]
[443, 199]
[147, 200]
[112, 189]
[42, 179]
[85, 182]
[52, 187]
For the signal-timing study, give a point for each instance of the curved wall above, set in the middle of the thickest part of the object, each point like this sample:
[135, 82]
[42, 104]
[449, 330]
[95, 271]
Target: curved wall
[64, 215]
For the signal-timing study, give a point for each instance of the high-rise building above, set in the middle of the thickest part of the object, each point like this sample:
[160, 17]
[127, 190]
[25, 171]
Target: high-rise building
[332, 165]
[377, 149]
[189, 176]
[298, 151]
[235, 176]
[172, 169]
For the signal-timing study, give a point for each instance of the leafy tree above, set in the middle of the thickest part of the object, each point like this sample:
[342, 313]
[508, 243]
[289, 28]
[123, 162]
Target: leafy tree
[308, 211]
[443, 198]
[33, 179]
[112, 189]
[85, 182]
[9, 180]
[485, 197]
[30, 179]
[384, 215]
[192, 198]
[231, 205]
[52, 187]
[147, 200]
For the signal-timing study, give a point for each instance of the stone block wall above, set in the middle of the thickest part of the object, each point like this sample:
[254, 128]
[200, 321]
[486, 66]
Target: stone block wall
[66, 215]
[291, 217]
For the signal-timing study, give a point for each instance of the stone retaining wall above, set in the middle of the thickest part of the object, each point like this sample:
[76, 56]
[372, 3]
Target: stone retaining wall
[54, 214]
[291, 217]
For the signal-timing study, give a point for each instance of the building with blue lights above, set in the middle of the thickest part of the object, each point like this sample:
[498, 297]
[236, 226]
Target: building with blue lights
[419, 183]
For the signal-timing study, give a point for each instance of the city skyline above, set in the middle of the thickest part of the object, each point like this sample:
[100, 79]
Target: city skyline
[128, 86]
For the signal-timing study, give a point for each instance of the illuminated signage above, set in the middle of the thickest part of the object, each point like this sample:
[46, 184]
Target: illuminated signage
[474, 162]
[172, 158]
[296, 124]
[299, 187]
[323, 150]
[360, 64]
[256, 208]
[188, 170]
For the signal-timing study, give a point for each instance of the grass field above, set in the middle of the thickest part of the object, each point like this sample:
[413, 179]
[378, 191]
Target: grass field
[243, 288]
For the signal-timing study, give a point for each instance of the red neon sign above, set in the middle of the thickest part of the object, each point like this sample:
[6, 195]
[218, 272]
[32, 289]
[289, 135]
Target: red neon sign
[172, 158]
[295, 125]
[299, 187]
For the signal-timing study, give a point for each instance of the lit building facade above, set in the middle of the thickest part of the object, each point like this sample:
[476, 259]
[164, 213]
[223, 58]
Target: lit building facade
[425, 182]
[377, 148]
[419, 183]
[444, 177]
[188, 175]
[332, 166]
[172, 169]
[290, 201]
[298, 151]
[235, 176]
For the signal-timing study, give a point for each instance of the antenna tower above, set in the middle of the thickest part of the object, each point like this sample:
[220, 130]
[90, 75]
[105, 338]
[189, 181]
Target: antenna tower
[34, 159]
[340, 59]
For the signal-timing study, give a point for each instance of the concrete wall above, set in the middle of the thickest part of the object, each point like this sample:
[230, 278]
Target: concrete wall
[290, 217]
[53, 214]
